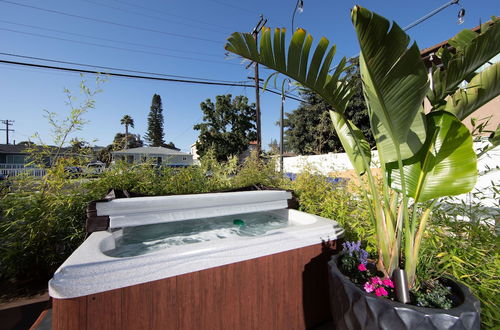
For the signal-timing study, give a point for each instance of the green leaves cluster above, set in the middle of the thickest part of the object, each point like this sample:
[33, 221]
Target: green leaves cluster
[228, 126]
[423, 157]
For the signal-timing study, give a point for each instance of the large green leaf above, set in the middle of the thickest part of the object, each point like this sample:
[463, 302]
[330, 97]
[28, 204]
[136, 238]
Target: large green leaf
[394, 82]
[295, 63]
[353, 141]
[484, 87]
[446, 164]
[471, 54]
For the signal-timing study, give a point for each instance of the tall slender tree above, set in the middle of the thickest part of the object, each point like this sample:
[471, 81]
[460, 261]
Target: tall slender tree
[127, 121]
[155, 135]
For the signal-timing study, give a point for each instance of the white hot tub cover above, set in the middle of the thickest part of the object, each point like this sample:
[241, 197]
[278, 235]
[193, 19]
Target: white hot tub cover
[127, 212]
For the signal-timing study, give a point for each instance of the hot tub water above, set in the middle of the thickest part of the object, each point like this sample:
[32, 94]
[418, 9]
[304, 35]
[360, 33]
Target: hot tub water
[139, 240]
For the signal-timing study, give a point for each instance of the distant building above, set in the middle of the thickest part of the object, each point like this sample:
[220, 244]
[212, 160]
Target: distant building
[158, 155]
[17, 155]
[194, 151]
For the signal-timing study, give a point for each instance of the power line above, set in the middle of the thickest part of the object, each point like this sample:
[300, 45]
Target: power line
[106, 39]
[113, 68]
[432, 13]
[109, 22]
[7, 123]
[170, 14]
[118, 48]
[151, 16]
[193, 81]
[121, 75]
[235, 7]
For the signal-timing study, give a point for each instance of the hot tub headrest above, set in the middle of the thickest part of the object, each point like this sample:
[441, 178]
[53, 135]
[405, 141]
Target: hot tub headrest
[126, 212]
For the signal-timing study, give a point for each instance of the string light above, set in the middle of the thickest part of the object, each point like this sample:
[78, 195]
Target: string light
[461, 14]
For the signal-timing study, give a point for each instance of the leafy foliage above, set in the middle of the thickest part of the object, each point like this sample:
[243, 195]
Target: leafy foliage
[434, 295]
[309, 129]
[227, 128]
[422, 156]
[155, 134]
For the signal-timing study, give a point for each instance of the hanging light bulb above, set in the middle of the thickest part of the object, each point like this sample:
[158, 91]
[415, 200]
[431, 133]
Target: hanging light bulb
[300, 7]
[461, 14]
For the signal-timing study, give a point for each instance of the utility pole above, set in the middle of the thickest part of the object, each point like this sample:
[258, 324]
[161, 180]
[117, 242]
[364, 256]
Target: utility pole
[7, 123]
[255, 34]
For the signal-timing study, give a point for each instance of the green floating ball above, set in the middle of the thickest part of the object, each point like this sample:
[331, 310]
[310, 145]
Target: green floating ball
[238, 222]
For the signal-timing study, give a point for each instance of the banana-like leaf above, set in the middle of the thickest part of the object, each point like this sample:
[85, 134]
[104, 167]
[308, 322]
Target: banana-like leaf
[295, 63]
[446, 164]
[355, 146]
[485, 86]
[472, 54]
[394, 82]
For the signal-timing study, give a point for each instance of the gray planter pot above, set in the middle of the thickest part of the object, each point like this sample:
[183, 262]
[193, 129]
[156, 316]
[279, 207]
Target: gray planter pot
[353, 308]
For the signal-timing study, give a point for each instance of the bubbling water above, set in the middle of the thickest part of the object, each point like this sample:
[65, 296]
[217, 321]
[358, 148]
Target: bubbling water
[149, 238]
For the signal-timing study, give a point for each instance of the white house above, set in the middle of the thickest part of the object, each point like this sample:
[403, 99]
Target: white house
[159, 156]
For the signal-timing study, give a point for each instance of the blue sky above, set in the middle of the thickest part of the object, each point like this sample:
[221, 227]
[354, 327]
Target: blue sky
[184, 38]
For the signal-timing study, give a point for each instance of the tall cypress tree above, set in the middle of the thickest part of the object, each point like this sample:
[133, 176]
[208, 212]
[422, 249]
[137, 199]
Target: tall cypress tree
[154, 135]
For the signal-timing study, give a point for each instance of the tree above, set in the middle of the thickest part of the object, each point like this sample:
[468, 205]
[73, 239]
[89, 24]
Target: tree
[155, 134]
[309, 129]
[170, 145]
[228, 126]
[274, 147]
[130, 140]
[127, 121]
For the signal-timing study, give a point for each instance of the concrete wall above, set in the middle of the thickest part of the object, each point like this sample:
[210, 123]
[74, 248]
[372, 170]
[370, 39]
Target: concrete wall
[325, 164]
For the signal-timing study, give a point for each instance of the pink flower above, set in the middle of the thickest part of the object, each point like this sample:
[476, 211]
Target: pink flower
[388, 283]
[376, 280]
[380, 291]
[369, 287]
[362, 268]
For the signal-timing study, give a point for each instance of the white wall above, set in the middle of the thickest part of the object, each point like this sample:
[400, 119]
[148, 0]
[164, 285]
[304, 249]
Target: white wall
[325, 164]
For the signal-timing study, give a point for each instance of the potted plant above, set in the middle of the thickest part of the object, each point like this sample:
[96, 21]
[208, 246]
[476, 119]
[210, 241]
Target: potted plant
[423, 156]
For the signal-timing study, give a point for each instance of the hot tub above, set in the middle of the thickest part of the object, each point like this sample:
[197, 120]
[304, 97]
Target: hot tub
[251, 263]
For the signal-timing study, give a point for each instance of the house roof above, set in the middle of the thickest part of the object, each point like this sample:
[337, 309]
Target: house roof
[427, 54]
[149, 151]
[12, 148]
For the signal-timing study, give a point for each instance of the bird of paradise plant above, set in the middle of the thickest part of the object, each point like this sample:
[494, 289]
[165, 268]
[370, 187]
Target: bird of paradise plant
[422, 156]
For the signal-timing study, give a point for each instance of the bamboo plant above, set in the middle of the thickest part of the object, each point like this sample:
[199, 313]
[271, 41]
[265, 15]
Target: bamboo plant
[423, 156]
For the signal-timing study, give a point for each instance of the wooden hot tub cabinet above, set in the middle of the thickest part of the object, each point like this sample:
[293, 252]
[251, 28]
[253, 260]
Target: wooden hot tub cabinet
[287, 290]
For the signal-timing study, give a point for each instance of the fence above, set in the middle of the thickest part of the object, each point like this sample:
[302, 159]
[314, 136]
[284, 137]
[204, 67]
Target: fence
[13, 170]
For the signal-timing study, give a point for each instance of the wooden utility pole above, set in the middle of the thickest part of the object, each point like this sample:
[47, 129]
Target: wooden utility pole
[255, 34]
[7, 129]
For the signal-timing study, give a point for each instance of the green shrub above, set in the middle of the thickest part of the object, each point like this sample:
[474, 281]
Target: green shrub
[340, 201]
[42, 220]
[467, 251]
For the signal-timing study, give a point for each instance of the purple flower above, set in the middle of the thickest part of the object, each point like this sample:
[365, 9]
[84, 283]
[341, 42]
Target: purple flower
[354, 249]
[388, 283]
[362, 267]
[380, 291]
[369, 287]
[363, 256]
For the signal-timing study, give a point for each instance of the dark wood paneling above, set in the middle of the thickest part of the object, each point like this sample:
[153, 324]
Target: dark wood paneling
[136, 307]
[164, 304]
[286, 290]
[69, 314]
[104, 310]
